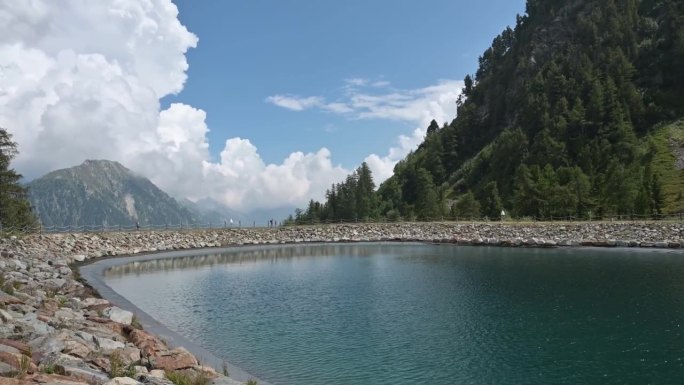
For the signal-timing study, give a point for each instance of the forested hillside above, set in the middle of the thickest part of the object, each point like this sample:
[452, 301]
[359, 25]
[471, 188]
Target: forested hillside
[573, 113]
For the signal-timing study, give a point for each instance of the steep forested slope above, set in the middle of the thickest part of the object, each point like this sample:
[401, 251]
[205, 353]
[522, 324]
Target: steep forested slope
[573, 113]
[558, 119]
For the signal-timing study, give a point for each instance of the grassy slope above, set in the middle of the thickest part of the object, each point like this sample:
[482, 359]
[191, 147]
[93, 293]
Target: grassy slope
[669, 140]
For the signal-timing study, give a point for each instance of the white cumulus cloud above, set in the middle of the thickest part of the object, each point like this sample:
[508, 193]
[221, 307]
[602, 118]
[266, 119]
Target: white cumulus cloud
[83, 79]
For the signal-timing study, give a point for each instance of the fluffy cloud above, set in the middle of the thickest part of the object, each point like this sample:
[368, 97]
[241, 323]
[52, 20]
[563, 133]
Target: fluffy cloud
[295, 103]
[245, 179]
[416, 106]
[83, 79]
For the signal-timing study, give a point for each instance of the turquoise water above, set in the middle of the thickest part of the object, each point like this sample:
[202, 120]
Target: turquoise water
[425, 314]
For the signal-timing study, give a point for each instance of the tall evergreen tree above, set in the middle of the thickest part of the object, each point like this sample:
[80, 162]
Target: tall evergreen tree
[15, 211]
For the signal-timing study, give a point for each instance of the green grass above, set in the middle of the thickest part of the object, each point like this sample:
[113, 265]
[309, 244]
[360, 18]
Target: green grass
[118, 368]
[665, 140]
[181, 378]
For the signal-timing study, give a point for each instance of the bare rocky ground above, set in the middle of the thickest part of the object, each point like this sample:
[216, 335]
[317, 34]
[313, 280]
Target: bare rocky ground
[55, 330]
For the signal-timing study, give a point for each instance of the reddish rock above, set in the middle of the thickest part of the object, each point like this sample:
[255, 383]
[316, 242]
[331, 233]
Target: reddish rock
[19, 345]
[77, 349]
[175, 359]
[52, 379]
[102, 363]
[13, 381]
[49, 306]
[10, 359]
[115, 327]
[6, 299]
[14, 360]
[149, 344]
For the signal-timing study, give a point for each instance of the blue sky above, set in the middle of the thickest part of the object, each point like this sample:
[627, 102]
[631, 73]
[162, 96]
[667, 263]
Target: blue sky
[254, 104]
[250, 50]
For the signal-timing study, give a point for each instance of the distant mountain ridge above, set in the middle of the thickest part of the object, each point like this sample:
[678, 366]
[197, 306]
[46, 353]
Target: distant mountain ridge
[103, 192]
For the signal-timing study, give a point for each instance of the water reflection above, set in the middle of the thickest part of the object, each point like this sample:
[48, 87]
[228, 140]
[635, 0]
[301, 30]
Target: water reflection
[241, 256]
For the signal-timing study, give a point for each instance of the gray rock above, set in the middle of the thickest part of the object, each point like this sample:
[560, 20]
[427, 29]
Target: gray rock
[55, 283]
[37, 326]
[86, 374]
[19, 265]
[107, 344]
[52, 345]
[119, 315]
[158, 379]
[5, 316]
[94, 302]
[66, 314]
[123, 381]
[6, 370]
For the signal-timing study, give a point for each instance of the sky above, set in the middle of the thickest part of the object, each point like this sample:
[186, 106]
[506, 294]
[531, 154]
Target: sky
[255, 104]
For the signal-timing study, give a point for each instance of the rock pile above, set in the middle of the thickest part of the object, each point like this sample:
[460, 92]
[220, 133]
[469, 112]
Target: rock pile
[55, 330]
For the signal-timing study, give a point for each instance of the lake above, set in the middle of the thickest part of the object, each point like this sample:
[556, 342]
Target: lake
[395, 313]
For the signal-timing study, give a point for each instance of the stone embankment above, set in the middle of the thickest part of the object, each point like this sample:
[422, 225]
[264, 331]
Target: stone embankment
[55, 330]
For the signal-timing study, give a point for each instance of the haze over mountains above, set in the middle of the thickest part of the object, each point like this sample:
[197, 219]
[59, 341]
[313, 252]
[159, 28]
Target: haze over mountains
[103, 192]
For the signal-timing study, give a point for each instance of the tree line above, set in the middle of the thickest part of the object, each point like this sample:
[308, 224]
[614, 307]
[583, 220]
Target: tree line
[559, 120]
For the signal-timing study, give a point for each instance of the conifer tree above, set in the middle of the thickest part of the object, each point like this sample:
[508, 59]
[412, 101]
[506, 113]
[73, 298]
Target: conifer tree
[15, 210]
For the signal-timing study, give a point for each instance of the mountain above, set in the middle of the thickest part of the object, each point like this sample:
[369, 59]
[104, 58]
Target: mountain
[103, 192]
[561, 119]
[576, 112]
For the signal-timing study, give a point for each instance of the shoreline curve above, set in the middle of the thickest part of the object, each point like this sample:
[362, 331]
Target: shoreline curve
[92, 271]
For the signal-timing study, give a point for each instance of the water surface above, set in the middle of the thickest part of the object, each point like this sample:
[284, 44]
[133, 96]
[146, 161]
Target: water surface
[419, 314]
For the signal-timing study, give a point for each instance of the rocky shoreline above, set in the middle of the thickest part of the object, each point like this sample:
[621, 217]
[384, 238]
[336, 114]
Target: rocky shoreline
[56, 330]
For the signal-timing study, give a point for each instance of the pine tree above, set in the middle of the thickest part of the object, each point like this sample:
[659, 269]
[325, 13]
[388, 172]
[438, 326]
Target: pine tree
[466, 207]
[427, 203]
[15, 210]
[491, 202]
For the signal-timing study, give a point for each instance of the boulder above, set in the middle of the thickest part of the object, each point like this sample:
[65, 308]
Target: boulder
[77, 348]
[108, 345]
[85, 374]
[149, 379]
[5, 316]
[116, 314]
[52, 379]
[175, 359]
[6, 299]
[157, 373]
[149, 344]
[13, 381]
